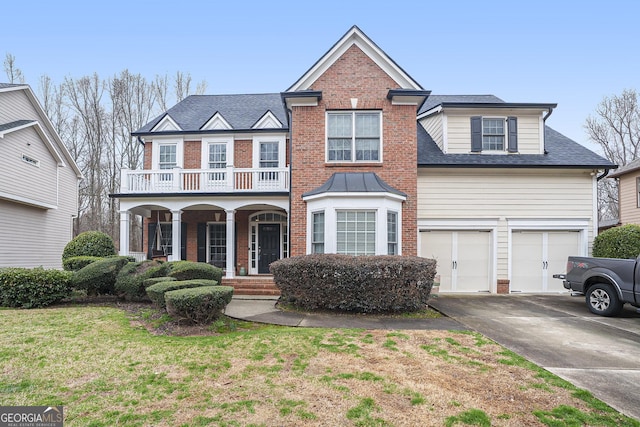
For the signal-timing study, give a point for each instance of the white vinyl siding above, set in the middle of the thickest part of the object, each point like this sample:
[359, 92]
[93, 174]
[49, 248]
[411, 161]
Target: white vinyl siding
[459, 131]
[434, 127]
[503, 195]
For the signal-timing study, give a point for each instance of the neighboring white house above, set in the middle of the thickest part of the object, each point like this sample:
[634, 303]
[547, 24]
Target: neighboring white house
[38, 183]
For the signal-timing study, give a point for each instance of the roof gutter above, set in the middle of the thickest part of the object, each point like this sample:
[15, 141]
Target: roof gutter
[604, 174]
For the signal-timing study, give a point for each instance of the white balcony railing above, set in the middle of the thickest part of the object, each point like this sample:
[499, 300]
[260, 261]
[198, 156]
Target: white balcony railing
[227, 180]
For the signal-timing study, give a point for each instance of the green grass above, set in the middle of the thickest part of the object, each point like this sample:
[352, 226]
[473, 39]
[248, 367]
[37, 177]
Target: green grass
[106, 372]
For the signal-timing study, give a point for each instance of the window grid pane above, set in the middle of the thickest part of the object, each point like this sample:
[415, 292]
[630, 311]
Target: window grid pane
[493, 134]
[269, 155]
[167, 157]
[317, 240]
[356, 232]
[353, 132]
[392, 233]
[166, 242]
[218, 245]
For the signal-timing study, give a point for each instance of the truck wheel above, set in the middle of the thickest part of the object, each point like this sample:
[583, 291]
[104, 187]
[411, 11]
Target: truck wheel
[602, 299]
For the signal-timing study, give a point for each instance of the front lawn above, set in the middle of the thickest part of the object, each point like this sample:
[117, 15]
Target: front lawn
[107, 369]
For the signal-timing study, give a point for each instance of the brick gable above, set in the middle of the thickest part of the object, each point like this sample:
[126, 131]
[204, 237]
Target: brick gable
[353, 75]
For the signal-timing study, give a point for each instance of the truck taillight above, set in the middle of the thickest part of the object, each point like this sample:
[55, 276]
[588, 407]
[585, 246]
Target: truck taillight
[569, 266]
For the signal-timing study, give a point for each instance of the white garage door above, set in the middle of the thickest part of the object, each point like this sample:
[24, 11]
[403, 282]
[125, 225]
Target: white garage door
[537, 256]
[464, 258]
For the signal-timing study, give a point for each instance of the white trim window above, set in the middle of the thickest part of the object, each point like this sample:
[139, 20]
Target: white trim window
[217, 160]
[356, 232]
[317, 236]
[167, 156]
[354, 136]
[217, 244]
[493, 133]
[392, 233]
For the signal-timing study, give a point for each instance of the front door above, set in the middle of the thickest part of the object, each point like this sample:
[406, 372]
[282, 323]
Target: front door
[268, 246]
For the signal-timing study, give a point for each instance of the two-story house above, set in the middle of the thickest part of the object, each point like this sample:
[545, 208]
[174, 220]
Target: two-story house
[38, 183]
[358, 158]
[628, 177]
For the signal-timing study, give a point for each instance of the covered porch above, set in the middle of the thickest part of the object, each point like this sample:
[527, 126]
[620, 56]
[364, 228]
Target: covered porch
[240, 236]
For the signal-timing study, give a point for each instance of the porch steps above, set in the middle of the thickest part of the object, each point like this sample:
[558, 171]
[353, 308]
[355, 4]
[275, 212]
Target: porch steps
[252, 285]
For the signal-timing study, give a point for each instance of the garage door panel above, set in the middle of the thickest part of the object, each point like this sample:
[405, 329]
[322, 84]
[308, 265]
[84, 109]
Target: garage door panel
[463, 257]
[438, 245]
[560, 246]
[473, 261]
[537, 255]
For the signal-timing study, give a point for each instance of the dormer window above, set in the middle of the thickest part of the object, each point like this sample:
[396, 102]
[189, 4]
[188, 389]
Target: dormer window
[494, 134]
[354, 136]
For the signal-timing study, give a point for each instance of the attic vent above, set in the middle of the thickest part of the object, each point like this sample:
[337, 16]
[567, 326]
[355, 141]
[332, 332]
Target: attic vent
[30, 160]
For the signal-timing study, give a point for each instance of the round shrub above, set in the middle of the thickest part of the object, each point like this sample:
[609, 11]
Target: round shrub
[89, 243]
[99, 278]
[198, 305]
[130, 281]
[355, 283]
[618, 242]
[156, 292]
[154, 280]
[188, 270]
[33, 288]
[75, 263]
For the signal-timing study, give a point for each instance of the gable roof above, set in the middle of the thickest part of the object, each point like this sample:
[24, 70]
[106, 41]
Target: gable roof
[561, 152]
[13, 126]
[357, 37]
[241, 112]
[354, 182]
[59, 149]
[628, 168]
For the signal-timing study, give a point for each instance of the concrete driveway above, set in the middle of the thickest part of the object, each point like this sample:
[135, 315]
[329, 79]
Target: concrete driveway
[559, 333]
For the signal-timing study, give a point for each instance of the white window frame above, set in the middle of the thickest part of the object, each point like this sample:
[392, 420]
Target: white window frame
[391, 212]
[353, 136]
[216, 140]
[315, 242]
[359, 234]
[331, 203]
[223, 225]
[280, 139]
[155, 151]
[505, 135]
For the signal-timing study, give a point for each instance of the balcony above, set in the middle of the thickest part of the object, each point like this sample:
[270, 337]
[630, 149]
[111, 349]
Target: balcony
[227, 180]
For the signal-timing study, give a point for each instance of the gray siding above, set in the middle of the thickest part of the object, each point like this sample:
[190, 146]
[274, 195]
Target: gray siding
[33, 236]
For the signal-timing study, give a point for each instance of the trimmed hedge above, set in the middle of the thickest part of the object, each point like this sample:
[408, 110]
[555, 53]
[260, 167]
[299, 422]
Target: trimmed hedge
[76, 263]
[33, 288]
[156, 292]
[154, 280]
[89, 243]
[199, 305]
[618, 242]
[189, 270]
[99, 277]
[355, 283]
[130, 281]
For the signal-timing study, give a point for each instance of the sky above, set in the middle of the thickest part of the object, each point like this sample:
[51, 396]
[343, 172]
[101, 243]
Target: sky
[573, 53]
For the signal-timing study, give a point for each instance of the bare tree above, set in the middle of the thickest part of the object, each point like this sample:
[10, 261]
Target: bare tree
[615, 127]
[14, 74]
[160, 88]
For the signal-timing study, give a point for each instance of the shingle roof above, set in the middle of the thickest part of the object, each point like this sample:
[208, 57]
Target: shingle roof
[562, 152]
[628, 168]
[14, 124]
[435, 100]
[354, 182]
[240, 111]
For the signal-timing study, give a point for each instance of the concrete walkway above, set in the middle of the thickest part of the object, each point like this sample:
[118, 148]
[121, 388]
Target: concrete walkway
[263, 310]
[556, 332]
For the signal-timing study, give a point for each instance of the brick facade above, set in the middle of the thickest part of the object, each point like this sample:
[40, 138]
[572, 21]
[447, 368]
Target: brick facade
[354, 75]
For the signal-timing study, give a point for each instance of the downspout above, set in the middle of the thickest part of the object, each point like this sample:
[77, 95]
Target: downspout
[290, 149]
[604, 174]
[544, 135]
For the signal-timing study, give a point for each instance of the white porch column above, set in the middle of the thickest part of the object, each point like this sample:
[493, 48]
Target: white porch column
[231, 239]
[176, 235]
[125, 217]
